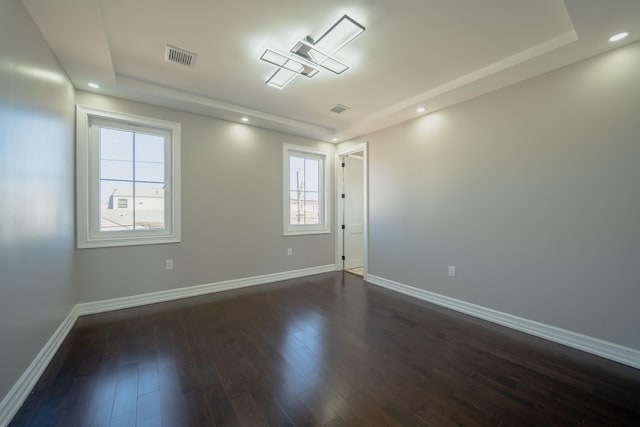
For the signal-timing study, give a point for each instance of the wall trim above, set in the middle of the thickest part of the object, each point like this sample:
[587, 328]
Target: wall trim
[339, 201]
[192, 291]
[21, 389]
[608, 350]
[14, 399]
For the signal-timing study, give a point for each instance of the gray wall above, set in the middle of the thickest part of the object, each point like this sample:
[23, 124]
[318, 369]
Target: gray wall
[533, 192]
[36, 193]
[231, 212]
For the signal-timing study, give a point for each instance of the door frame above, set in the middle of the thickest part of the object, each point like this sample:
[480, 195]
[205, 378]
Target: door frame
[361, 147]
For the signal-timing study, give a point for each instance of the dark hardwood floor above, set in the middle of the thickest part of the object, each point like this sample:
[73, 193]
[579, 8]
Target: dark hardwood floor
[324, 350]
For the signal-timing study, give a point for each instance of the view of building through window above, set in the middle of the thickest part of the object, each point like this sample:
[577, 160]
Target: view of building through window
[304, 190]
[132, 181]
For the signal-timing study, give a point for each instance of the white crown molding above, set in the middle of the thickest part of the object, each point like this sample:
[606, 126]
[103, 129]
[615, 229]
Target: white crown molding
[144, 91]
[468, 86]
[608, 350]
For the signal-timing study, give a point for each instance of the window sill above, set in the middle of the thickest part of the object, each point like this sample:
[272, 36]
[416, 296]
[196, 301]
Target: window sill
[133, 241]
[305, 232]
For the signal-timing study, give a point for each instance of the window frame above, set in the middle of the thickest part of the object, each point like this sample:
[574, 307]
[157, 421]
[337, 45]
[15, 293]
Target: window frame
[323, 198]
[88, 121]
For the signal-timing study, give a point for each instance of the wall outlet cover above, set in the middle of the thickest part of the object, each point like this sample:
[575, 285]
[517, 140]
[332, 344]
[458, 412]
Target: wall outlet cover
[452, 271]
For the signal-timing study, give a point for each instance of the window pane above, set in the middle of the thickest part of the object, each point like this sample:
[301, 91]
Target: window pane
[153, 172]
[116, 144]
[116, 154]
[120, 207]
[311, 214]
[304, 208]
[296, 173]
[296, 207]
[113, 196]
[304, 191]
[305, 202]
[149, 206]
[311, 174]
[149, 157]
[312, 196]
[116, 169]
[149, 148]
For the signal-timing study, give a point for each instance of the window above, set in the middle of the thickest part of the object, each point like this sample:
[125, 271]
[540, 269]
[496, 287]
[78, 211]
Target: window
[128, 179]
[305, 191]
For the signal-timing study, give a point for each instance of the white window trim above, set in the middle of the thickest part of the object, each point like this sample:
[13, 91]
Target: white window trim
[325, 224]
[86, 181]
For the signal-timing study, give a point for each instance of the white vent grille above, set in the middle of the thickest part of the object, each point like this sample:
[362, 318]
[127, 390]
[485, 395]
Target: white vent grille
[339, 109]
[179, 56]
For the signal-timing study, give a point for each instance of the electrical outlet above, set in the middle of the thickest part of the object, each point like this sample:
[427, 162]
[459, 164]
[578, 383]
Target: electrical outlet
[289, 251]
[452, 271]
[168, 264]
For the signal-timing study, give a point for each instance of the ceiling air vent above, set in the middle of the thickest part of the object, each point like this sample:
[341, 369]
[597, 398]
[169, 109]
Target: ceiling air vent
[179, 56]
[339, 109]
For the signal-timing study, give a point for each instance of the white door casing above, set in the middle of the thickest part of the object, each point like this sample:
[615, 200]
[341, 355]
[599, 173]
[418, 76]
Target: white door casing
[352, 210]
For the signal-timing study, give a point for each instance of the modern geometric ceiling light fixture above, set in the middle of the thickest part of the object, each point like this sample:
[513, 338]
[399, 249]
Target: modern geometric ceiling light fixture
[288, 68]
[281, 78]
[308, 54]
[283, 61]
[342, 32]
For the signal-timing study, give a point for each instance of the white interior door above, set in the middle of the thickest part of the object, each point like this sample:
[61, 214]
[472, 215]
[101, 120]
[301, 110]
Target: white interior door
[353, 210]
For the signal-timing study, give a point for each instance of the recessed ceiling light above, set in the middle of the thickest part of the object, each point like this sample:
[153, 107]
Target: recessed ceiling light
[245, 119]
[94, 85]
[334, 139]
[420, 110]
[618, 36]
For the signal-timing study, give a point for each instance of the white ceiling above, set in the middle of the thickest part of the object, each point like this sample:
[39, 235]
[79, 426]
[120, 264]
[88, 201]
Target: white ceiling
[431, 53]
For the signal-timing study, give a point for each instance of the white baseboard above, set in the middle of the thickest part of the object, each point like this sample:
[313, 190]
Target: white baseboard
[21, 389]
[608, 350]
[192, 291]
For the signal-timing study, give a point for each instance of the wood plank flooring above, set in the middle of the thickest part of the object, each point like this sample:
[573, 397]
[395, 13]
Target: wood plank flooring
[327, 350]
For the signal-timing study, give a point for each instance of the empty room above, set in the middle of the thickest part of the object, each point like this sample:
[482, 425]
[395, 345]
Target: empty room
[294, 213]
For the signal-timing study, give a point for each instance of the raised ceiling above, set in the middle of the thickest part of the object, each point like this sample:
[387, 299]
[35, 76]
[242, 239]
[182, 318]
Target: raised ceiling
[431, 53]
